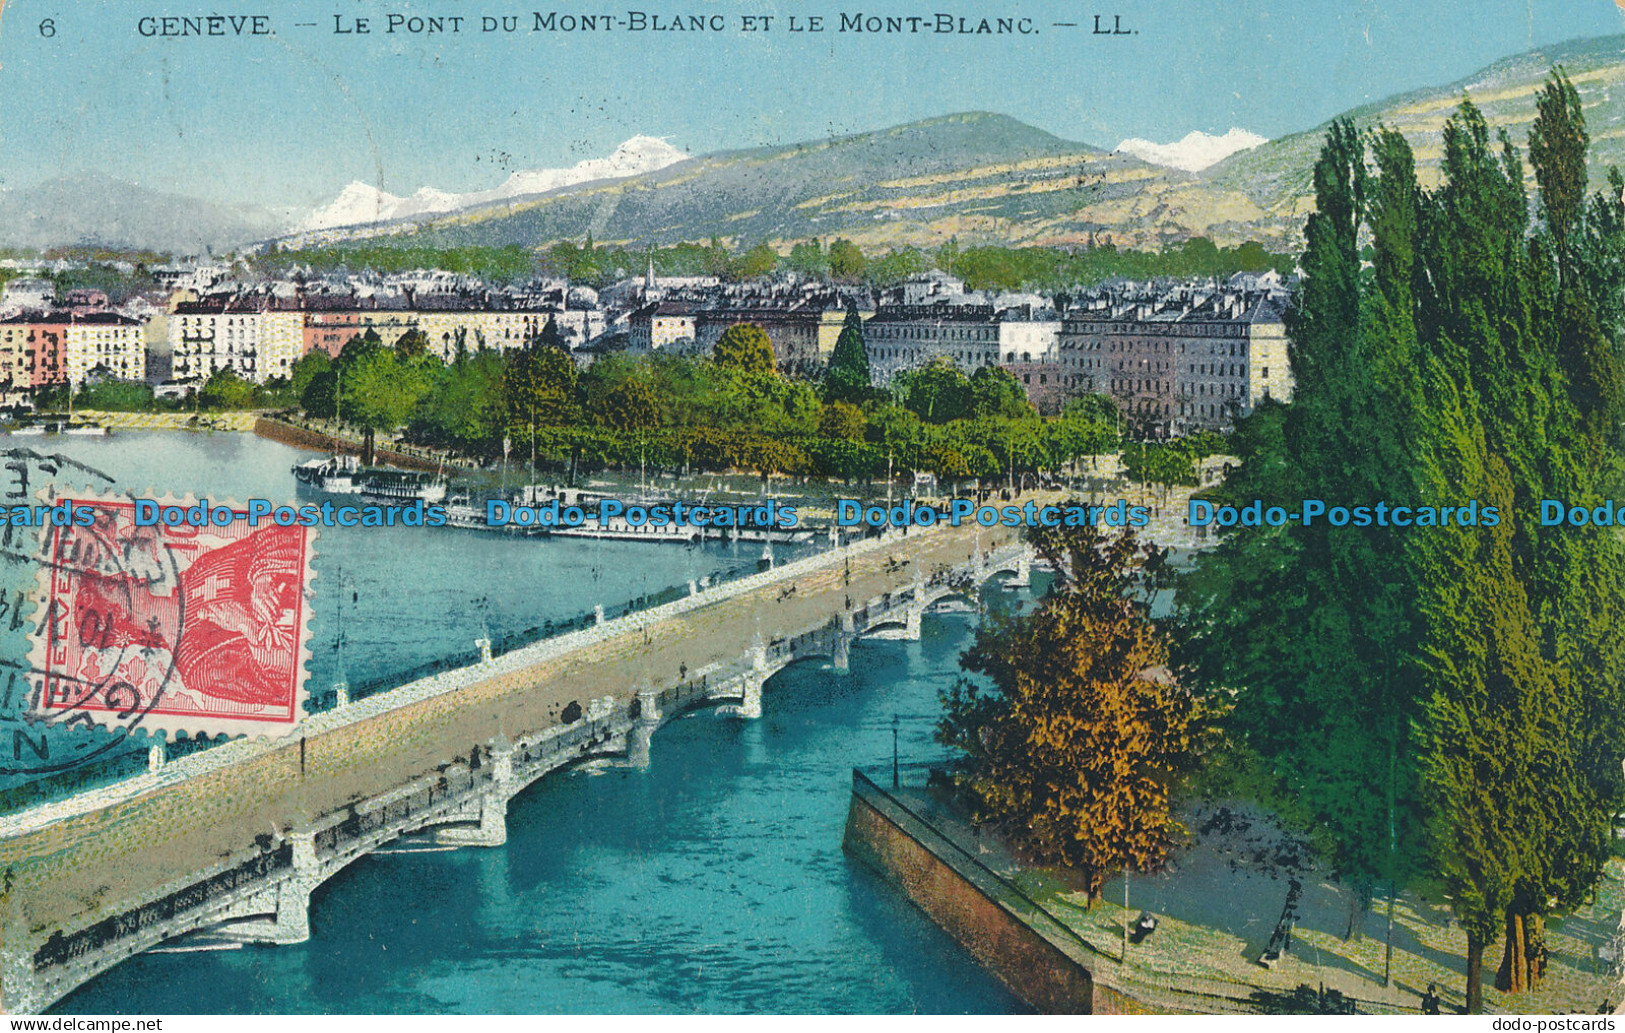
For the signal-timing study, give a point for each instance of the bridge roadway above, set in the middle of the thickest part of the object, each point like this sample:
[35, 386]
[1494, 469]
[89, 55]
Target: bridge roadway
[233, 840]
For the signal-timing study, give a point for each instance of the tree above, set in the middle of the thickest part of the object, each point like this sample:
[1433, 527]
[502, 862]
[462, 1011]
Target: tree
[997, 392]
[893, 427]
[359, 346]
[1471, 673]
[320, 396]
[116, 396]
[759, 261]
[1306, 623]
[846, 261]
[464, 407]
[1078, 751]
[550, 337]
[1163, 463]
[381, 391]
[745, 347]
[848, 378]
[842, 421]
[1571, 576]
[1083, 429]
[1557, 149]
[1558, 141]
[937, 391]
[412, 344]
[896, 266]
[227, 390]
[631, 406]
[1479, 732]
[716, 260]
[307, 368]
[807, 258]
[540, 389]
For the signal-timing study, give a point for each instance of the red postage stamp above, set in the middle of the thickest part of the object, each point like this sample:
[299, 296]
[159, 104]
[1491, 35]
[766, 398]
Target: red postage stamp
[197, 627]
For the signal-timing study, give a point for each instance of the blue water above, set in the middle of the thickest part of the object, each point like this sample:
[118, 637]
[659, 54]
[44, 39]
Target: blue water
[404, 595]
[713, 881]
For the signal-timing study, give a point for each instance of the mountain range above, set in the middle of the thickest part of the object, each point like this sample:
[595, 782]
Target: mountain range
[361, 203]
[984, 177]
[978, 176]
[93, 208]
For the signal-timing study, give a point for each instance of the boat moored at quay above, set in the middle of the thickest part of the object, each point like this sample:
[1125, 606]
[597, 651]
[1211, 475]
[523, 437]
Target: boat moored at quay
[344, 475]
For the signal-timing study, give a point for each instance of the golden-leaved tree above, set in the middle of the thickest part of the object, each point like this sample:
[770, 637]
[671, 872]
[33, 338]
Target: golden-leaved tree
[1076, 753]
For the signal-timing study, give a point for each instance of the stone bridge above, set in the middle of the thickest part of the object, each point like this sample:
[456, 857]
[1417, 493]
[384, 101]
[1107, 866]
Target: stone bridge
[287, 839]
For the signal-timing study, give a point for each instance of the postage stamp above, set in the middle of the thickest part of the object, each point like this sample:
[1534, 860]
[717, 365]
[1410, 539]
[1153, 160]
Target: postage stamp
[197, 628]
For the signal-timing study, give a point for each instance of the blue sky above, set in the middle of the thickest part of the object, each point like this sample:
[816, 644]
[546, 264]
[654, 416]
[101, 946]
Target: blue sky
[288, 119]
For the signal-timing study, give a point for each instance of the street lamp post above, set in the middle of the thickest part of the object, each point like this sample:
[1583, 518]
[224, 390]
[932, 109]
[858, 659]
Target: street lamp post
[1124, 956]
[894, 723]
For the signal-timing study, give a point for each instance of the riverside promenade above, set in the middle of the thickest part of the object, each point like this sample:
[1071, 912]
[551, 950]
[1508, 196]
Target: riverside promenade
[234, 838]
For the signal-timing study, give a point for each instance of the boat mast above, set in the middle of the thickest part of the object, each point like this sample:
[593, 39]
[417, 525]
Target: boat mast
[341, 684]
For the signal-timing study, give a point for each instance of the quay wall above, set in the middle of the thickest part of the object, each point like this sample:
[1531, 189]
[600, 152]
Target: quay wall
[970, 903]
[204, 421]
[305, 437]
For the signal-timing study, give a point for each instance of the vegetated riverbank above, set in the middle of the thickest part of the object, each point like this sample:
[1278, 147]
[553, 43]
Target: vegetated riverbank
[1216, 905]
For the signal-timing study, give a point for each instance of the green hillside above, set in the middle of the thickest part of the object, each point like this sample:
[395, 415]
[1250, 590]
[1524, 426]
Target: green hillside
[987, 178]
[1275, 176]
[978, 176]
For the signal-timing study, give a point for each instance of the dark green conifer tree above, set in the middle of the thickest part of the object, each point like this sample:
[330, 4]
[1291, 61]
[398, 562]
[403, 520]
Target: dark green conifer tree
[848, 378]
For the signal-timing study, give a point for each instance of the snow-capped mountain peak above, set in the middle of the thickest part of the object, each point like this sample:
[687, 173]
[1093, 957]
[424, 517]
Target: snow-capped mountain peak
[635, 157]
[1195, 152]
[356, 203]
[360, 203]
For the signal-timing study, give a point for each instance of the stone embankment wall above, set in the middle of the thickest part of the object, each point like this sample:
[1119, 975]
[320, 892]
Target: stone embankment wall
[227, 421]
[971, 904]
[302, 437]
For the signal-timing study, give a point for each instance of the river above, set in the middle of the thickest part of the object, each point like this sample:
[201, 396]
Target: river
[711, 882]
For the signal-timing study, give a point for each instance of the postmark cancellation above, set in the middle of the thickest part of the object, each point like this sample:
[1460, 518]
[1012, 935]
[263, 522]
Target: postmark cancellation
[200, 628]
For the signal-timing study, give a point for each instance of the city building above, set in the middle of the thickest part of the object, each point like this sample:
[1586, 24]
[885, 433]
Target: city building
[455, 325]
[27, 294]
[330, 323]
[791, 323]
[903, 337]
[257, 336]
[834, 319]
[1029, 349]
[30, 355]
[930, 288]
[60, 347]
[104, 344]
[1182, 360]
[661, 324]
[46, 341]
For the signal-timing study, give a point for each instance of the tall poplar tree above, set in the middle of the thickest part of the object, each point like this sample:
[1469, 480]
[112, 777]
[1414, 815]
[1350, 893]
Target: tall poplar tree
[1293, 619]
[1474, 673]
